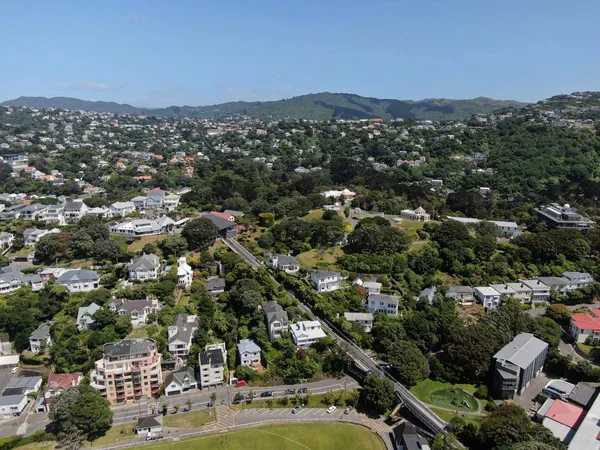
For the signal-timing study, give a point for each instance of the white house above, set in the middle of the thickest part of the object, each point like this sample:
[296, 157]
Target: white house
[286, 263]
[362, 318]
[171, 202]
[185, 274]
[84, 316]
[212, 363]
[504, 290]
[149, 425]
[327, 280]
[180, 334]
[54, 214]
[40, 339]
[371, 287]
[523, 292]
[306, 333]
[249, 353]
[12, 405]
[74, 211]
[144, 267]
[585, 326]
[181, 381]
[578, 280]
[142, 227]
[32, 236]
[465, 295]
[6, 239]
[383, 303]
[541, 292]
[79, 280]
[139, 202]
[138, 310]
[121, 209]
[418, 214]
[488, 296]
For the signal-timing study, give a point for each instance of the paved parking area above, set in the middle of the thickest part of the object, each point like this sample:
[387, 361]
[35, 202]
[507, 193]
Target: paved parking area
[259, 414]
[526, 399]
[5, 377]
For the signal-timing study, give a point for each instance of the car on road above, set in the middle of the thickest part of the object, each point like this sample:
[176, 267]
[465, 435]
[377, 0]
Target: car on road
[290, 391]
[296, 409]
[14, 370]
[266, 394]
[331, 409]
[348, 410]
[302, 391]
[240, 383]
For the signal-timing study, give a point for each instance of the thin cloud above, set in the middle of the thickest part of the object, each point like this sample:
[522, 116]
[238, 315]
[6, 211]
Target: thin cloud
[91, 86]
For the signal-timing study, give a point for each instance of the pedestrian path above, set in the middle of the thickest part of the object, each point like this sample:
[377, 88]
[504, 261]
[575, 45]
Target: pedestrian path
[225, 417]
[378, 426]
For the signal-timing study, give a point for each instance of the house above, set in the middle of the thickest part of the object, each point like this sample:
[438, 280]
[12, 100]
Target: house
[53, 214]
[523, 293]
[128, 370]
[234, 213]
[383, 303]
[249, 353]
[583, 395]
[171, 202]
[138, 310]
[181, 381]
[149, 425]
[363, 318]
[74, 211]
[215, 286]
[180, 334]
[84, 316]
[517, 363]
[287, 263]
[6, 239]
[155, 198]
[121, 209]
[561, 418]
[227, 229]
[427, 294]
[541, 292]
[487, 296]
[32, 211]
[58, 383]
[327, 280]
[79, 280]
[11, 212]
[5, 344]
[565, 216]
[464, 295]
[418, 214]
[98, 211]
[32, 236]
[504, 290]
[405, 437]
[503, 229]
[212, 363]
[224, 215]
[139, 202]
[23, 385]
[144, 267]
[142, 227]
[276, 318]
[306, 333]
[12, 405]
[185, 274]
[371, 287]
[39, 340]
[584, 326]
[578, 280]
[557, 284]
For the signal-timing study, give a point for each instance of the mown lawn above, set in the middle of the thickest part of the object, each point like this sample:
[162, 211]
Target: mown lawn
[315, 214]
[119, 434]
[314, 436]
[192, 419]
[138, 333]
[439, 394]
[325, 258]
[138, 245]
[448, 416]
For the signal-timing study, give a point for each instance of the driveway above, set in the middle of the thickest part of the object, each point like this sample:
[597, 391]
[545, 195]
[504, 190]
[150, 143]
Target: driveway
[5, 377]
[527, 399]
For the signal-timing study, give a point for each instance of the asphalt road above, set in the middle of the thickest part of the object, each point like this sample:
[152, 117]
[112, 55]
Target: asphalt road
[225, 395]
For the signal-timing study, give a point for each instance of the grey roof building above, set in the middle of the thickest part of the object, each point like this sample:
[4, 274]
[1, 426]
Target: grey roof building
[407, 438]
[144, 267]
[215, 286]
[583, 395]
[517, 363]
[180, 333]
[277, 319]
[116, 351]
[227, 229]
[84, 316]
[181, 381]
[79, 280]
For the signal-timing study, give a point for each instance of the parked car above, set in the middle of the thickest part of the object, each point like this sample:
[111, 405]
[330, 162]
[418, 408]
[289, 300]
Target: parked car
[331, 409]
[290, 391]
[14, 370]
[266, 394]
[302, 391]
[240, 383]
[348, 410]
[296, 409]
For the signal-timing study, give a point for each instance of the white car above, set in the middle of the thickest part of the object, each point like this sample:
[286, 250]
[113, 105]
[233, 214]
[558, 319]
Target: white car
[331, 409]
[14, 370]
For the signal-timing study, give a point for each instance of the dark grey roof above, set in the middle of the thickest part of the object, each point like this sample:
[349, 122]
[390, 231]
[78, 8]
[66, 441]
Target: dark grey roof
[215, 284]
[42, 332]
[322, 273]
[274, 311]
[180, 376]
[583, 395]
[406, 434]
[131, 305]
[462, 289]
[8, 400]
[522, 351]
[129, 347]
[214, 356]
[219, 222]
[146, 262]
[287, 260]
[554, 281]
[24, 383]
[77, 276]
[383, 297]
[74, 206]
[149, 422]
[234, 213]
[185, 329]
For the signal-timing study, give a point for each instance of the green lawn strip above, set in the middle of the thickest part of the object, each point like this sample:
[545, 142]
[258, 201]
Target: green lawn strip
[440, 394]
[585, 348]
[138, 333]
[314, 401]
[449, 415]
[138, 244]
[190, 419]
[320, 257]
[314, 436]
[117, 435]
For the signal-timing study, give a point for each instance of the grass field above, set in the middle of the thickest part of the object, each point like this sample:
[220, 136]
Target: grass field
[138, 245]
[114, 436]
[320, 257]
[138, 333]
[314, 436]
[190, 419]
[448, 416]
[315, 214]
[440, 394]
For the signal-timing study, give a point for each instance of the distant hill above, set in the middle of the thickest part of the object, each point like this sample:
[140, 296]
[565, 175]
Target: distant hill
[322, 106]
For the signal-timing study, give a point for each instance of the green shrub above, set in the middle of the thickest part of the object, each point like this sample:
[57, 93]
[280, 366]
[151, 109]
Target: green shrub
[481, 392]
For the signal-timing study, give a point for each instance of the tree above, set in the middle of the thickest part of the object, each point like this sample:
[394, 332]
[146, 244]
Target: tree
[199, 233]
[487, 229]
[378, 393]
[174, 245]
[559, 313]
[507, 426]
[80, 414]
[408, 362]
[378, 240]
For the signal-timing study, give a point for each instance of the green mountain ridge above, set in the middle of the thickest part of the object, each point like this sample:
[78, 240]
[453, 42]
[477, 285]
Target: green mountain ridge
[321, 106]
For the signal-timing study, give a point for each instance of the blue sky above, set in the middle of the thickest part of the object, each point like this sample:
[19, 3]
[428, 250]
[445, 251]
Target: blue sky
[159, 53]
